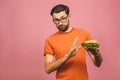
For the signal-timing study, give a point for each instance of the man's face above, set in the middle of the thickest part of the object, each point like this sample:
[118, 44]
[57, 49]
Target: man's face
[61, 21]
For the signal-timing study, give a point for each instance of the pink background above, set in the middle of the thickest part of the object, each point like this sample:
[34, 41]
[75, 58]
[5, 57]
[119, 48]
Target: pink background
[25, 24]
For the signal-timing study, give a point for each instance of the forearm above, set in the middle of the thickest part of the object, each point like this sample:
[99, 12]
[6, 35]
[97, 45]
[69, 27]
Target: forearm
[96, 58]
[52, 66]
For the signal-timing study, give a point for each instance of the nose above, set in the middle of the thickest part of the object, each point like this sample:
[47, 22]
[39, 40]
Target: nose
[60, 23]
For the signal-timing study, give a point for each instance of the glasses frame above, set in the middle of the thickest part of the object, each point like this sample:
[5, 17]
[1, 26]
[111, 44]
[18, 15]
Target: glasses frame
[62, 20]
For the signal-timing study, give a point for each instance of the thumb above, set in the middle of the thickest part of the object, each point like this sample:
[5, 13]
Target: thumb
[78, 48]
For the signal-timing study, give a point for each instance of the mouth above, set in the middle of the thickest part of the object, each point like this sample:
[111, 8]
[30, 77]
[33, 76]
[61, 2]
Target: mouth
[61, 26]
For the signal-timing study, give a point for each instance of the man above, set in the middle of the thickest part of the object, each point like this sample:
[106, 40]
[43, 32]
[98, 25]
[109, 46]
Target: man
[65, 46]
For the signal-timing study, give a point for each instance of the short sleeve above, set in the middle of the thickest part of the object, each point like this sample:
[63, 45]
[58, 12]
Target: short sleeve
[48, 48]
[88, 36]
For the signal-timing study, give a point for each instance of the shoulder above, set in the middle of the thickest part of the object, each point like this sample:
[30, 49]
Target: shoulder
[52, 36]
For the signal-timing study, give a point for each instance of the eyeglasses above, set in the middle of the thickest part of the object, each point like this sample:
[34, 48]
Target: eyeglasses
[63, 20]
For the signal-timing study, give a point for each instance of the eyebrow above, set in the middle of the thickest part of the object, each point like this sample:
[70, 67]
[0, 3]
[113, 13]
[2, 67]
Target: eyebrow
[60, 18]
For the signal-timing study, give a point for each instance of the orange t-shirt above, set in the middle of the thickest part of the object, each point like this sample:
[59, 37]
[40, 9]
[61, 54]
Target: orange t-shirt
[59, 44]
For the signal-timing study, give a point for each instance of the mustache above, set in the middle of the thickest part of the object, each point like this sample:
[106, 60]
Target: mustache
[61, 25]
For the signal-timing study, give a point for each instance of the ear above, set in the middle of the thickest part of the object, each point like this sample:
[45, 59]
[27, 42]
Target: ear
[69, 15]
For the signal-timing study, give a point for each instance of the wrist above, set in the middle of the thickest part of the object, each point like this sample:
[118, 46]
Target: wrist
[97, 55]
[67, 55]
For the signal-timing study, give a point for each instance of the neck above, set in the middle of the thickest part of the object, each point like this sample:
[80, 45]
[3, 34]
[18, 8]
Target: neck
[69, 29]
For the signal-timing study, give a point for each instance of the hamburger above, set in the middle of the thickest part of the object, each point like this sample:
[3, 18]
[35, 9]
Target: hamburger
[91, 44]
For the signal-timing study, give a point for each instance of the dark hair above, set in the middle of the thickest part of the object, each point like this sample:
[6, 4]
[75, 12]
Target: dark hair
[60, 7]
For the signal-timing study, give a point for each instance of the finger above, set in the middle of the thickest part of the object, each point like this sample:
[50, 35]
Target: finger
[79, 48]
[75, 41]
[97, 50]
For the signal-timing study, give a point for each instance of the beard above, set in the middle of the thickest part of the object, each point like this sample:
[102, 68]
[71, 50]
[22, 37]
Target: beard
[63, 28]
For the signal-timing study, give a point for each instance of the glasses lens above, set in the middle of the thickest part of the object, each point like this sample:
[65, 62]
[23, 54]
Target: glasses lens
[63, 20]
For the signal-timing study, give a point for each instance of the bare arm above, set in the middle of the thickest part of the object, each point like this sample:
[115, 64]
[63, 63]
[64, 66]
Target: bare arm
[51, 65]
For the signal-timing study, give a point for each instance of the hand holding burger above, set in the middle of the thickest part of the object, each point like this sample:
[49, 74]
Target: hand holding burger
[92, 46]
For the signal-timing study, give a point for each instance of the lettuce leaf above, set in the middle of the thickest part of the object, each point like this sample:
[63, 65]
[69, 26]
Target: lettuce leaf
[90, 45]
